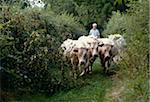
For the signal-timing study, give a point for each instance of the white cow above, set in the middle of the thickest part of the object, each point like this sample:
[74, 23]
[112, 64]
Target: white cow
[92, 45]
[67, 46]
[113, 45]
[119, 40]
[119, 45]
[77, 53]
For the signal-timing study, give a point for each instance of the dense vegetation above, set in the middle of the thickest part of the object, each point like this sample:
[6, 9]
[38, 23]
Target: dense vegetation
[31, 61]
[134, 67]
[87, 11]
[30, 39]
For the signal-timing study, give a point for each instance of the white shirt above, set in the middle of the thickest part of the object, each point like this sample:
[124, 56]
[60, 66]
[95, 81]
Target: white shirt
[94, 33]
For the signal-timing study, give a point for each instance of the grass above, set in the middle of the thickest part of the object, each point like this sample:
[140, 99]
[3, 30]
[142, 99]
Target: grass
[96, 90]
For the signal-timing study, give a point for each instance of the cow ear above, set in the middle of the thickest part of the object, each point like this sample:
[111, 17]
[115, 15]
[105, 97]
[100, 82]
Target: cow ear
[75, 50]
[64, 48]
[116, 38]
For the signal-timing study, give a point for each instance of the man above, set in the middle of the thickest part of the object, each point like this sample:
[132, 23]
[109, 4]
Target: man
[94, 32]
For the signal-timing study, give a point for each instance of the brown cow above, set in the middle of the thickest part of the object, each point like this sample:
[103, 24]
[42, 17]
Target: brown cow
[92, 44]
[79, 60]
[77, 53]
[105, 56]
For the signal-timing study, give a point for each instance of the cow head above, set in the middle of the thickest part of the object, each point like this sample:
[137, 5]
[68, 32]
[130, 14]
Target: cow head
[82, 54]
[121, 42]
[105, 51]
[93, 48]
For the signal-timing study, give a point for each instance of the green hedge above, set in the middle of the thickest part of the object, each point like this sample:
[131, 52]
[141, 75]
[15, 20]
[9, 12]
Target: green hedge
[134, 67]
[30, 54]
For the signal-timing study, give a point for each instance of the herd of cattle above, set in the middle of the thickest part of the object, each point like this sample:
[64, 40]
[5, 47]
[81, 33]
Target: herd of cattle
[83, 52]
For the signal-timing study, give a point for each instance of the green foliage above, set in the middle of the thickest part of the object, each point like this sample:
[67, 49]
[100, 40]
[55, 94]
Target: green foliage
[134, 67]
[61, 6]
[116, 24]
[123, 1]
[95, 89]
[86, 11]
[94, 11]
[30, 41]
[120, 2]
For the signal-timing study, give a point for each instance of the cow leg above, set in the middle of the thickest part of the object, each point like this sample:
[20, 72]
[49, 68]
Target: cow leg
[83, 72]
[74, 68]
[80, 70]
[91, 65]
[90, 69]
[74, 73]
[103, 63]
[85, 69]
[111, 61]
[106, 66]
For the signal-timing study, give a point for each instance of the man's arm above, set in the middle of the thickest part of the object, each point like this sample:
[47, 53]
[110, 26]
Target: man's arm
[98, 34]
[90, 33]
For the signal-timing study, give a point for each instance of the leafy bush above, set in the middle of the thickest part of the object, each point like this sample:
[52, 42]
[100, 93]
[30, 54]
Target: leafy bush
[90, 11]
[62, 6]
[30, 41]
[116, 24]
[86, 11]
[134, 66]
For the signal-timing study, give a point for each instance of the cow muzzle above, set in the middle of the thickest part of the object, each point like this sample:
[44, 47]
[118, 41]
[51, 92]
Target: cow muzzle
[82, 63]
[107, 58]
[96, 55]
